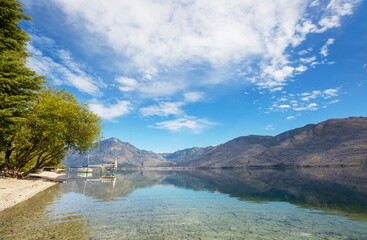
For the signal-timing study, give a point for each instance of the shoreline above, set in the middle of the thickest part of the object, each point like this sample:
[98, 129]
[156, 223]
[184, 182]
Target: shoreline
[14, 191]
[247, 167]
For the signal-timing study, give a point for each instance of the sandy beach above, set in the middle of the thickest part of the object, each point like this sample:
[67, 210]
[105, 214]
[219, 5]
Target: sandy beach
[14, 191]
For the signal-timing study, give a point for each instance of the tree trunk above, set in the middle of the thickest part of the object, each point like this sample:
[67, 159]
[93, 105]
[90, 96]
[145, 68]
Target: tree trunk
[15, 173]
[8, 152]
[32, 170]
[6, 171]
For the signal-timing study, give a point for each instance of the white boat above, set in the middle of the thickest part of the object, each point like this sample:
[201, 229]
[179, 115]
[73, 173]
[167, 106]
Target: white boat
[111, 166]
[84, 174]
[85, 170]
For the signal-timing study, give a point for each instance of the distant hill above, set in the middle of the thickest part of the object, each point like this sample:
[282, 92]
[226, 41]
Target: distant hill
[113, 149]
[333, 142]
[188, 154]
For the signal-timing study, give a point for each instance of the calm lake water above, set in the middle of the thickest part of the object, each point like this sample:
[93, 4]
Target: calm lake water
[326, 203]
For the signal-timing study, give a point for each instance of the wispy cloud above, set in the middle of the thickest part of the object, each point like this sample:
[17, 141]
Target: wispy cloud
[305, 51]
[301, 69]
[111, 111]
[170, 52]
[315, 3]
[161, 38]
[308, 60]
[306, 101]
[127, 84]
[163, 109]
[63, 71]
[191, 123]
[307, 96]
[333, 13]
[325, 49]
[270, 127]
[166, 108]
[193, 97]
[307, 107]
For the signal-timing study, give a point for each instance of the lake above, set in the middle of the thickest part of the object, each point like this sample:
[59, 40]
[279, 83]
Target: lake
[306, 203]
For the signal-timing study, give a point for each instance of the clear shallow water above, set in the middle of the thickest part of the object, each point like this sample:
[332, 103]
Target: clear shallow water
[232, 204]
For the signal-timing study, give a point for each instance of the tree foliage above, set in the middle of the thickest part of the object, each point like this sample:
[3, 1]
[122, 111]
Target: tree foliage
[17, 82]
[55, 123]
[37, 124]
[12, 37]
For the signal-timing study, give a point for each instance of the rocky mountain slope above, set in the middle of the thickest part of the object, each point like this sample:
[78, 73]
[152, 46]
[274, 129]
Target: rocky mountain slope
[333, 142]
[188, 154]
[113, 149]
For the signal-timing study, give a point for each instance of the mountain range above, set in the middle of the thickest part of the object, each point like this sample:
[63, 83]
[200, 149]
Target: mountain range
[335, 142]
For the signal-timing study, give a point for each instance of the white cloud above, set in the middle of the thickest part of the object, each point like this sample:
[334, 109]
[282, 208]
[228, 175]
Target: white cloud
[110, 112]
[325, 49]
[334, 101]
[301, 68]
[333, 13]
[332, 92]
[284, 106]
[274, 89]
[169, 32]
[34, 51]
[313, 64]
[163, 109]
[166, 108]
[274, 76]
[161, 37]
[127, 84]
[303, 52]
[191, 123]
[279, 74]
[193, 96]
[307, 96]
[65, 71]
[308, 60]
[315, 3]
[291, 117]
[158, 88]
[309, 107]
[269, 127]
[306, 101]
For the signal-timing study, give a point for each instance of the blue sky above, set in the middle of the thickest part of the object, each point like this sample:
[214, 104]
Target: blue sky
[173, 74]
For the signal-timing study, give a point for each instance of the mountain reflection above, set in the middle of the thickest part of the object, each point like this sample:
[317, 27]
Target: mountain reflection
[341, 191]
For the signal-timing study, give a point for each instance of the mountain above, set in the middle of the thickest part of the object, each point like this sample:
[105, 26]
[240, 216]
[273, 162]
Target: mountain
[126, 155]
[181, 156]
[333, 142]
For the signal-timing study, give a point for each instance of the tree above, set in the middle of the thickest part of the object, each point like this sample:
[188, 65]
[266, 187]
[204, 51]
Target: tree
[18, 84]
[55, 123]
[37, 124]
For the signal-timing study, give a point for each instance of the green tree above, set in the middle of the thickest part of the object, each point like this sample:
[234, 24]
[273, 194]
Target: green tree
[17, 82]
[37, 124]
[55, 123]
